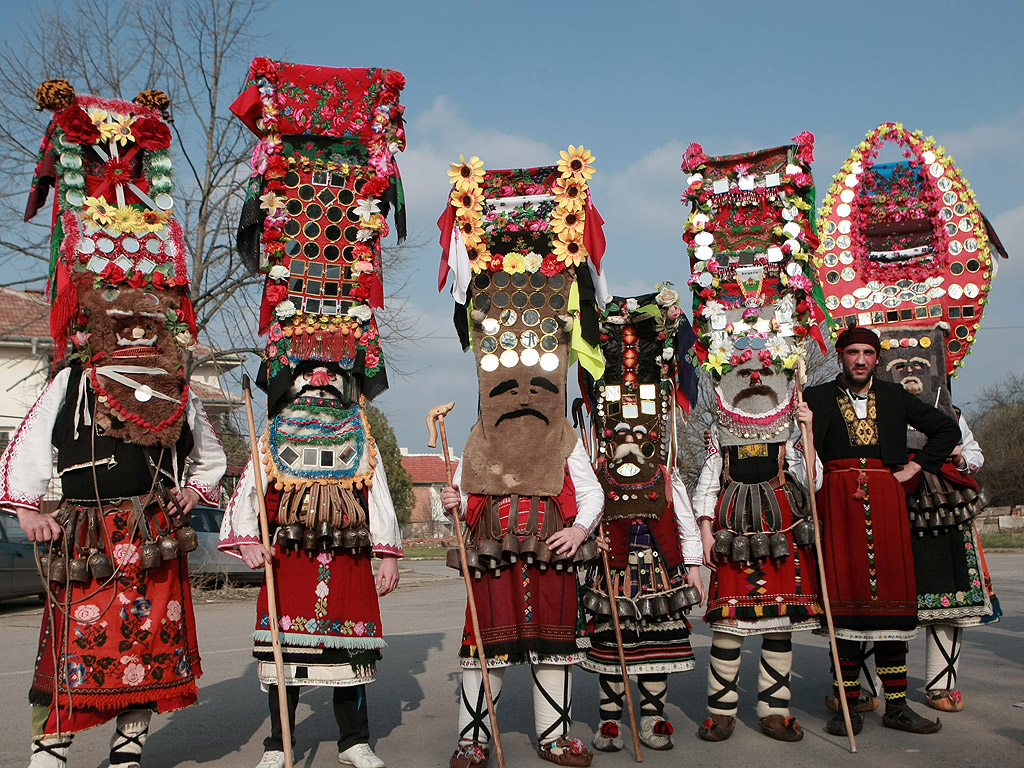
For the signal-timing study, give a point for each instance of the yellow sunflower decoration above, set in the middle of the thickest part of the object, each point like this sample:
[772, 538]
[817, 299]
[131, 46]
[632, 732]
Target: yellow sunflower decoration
[464, 174]
[576, 164]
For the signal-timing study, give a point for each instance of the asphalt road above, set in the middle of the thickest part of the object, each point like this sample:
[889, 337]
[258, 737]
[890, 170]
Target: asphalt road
[413, 703]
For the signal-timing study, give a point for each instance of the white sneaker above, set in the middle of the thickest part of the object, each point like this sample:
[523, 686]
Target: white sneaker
[272, 758]
[360, 756]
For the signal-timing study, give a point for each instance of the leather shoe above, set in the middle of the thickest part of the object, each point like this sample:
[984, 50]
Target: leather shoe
[837, 725]
[717, 728]
[903, 718]
[781, 727]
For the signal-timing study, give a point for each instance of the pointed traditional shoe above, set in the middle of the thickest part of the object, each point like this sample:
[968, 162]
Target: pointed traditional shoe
[781, 727]
[656, 732]
[903, 718]
[471, 755]
[717, 728]
[864, 703]
[565, 751]
[837, 725]
[945, 700]
[607, 738]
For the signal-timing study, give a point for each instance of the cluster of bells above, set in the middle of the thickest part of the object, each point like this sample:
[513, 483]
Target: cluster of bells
[748, 547]
[323, 537]
[644, 609]
[79, 563]
[494, 555]
[938, 505]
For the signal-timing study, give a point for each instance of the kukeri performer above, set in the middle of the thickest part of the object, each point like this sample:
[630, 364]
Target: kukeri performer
[751, 232]
[656, 552]
[324, 179]
[135, 450]
[525, 274]
[953, 585]
[860, 433]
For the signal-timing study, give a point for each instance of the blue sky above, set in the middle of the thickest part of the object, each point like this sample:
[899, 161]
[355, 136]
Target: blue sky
[635, 83]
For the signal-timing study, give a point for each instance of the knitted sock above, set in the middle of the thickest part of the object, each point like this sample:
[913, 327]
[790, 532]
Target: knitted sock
[942, 656]
[850, 655]
[474, 722]
[552, 701]
[891, 666]
[724, 673]
[773, 683]
[612, 696]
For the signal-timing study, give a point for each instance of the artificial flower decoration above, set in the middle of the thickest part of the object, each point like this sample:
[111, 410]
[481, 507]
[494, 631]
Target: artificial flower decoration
[572, 253]
[466, 197]
[566, 223]
[576, 163]
[271, 201]
[570, 194]
[464, 174]
[97, 209]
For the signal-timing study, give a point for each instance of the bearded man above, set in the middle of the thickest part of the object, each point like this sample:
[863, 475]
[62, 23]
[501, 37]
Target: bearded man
[860, 432]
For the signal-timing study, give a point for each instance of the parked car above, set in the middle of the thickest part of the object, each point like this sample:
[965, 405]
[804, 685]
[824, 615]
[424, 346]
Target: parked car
[18, 576]
[209, 561]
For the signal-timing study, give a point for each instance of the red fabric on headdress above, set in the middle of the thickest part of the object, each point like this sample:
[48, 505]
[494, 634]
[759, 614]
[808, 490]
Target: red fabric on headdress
[593, 235]
[445, 224]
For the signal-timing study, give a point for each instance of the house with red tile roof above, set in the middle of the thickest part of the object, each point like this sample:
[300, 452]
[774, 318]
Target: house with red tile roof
[428, 478]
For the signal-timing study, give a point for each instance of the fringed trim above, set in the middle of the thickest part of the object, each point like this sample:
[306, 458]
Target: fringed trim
[753, 612]
[327, 641]
[332, 346]
[106, 701]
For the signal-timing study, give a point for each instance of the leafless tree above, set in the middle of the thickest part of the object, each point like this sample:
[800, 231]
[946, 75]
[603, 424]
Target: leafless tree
[997, 421]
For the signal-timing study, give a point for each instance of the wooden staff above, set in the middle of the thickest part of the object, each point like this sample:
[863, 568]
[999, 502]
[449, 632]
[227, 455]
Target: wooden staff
[268, 569]
[622, 652]
[436, 417]
[801, 377]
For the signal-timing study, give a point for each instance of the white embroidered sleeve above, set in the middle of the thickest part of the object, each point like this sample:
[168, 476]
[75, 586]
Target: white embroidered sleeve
[241, 520]
[207, 462]
[27, 463]
[797, 464]
[970, 449]
[589, 493]
[705, 496]
[686, 521]
[385, 533]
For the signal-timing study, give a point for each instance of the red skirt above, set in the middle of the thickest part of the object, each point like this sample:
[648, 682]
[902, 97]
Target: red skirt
[769, 588]
[524, 613]
[866, 545]
[129, 644]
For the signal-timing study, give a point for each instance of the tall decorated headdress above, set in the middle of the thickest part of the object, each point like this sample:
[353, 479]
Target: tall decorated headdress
[645, 341]
[750, 237]
[118, 277]
[324, 179]
[905, 244]
[524, 247]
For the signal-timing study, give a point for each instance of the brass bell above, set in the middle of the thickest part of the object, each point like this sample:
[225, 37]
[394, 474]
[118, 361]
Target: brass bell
[759, 547]
[58, 569]
[723, 543]
[149, 556]
[510, 548]
[779, 545]
[100, 566]
[169, 549]
[78, 570]
[187, 538]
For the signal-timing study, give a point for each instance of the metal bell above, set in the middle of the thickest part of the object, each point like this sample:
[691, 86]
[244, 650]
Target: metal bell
[291, 536]
[169, 549]
[363, 538]
[337, 538]
[596, 602]
[723, 543]
[803, 533]
[324, 537]
[451, 559]
[58, 569]
[187, 538]
[587, 553]
[510, 548]
[100, 566]
[779, 546]
[490, 553]
[691, 595]
[741, 549]
[759, 547]
[149, 556]
[78, 570]
[529, 547]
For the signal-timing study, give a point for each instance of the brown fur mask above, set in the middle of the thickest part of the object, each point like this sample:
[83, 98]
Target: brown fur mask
[521, 441]
[129, 327]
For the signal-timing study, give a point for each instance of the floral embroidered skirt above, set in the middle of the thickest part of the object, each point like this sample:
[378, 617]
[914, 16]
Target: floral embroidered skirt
[130, 643]
[329, 620]
[950, 577]
[866, 544]
[655, 647]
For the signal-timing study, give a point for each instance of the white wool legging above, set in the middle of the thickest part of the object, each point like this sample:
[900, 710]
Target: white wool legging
[552, 702]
